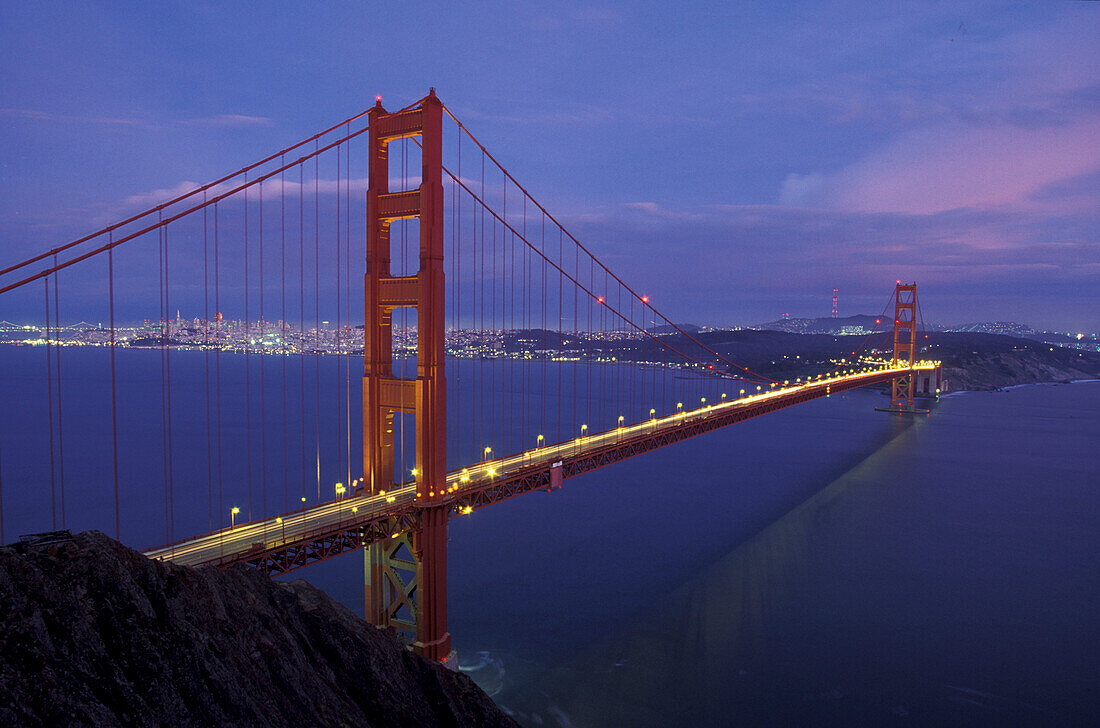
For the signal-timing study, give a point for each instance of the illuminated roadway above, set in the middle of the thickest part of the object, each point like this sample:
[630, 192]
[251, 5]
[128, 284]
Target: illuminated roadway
[316, 532]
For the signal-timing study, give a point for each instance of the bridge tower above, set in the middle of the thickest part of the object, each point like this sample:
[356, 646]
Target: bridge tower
[905, 345]
[406, 576]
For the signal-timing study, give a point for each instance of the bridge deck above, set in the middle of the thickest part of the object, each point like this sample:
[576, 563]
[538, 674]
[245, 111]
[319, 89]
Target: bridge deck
[281, 544]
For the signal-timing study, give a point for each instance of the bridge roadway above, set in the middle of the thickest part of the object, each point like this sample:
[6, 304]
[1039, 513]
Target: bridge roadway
[281, 544]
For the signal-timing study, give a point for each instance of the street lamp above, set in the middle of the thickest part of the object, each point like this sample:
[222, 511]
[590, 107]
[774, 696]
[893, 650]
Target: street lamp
[488, 451]
[680, 408]
[538, 442]
[652, 413]
[703, 401]
[584, 429]
[233, 516]
[339, 490]
[620, 421]
[742, 393]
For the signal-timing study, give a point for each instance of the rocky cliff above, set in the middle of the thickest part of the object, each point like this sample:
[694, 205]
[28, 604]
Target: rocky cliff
[95, 634]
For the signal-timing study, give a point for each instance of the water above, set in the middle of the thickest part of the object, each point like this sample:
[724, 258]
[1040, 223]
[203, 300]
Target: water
[824, 565]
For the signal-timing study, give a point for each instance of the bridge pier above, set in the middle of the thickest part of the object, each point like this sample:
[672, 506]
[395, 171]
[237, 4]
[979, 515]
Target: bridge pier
[406, 576]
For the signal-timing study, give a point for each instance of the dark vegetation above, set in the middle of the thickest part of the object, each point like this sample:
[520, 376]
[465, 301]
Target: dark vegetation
[95, 634]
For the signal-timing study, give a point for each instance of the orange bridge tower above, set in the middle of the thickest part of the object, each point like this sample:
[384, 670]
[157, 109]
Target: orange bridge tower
[406, 576]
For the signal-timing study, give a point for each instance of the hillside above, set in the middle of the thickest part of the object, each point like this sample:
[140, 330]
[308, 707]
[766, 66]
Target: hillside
[95, 634]
[970, 360]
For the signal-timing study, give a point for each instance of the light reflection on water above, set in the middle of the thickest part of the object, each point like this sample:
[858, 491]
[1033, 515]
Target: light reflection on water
[946, 578]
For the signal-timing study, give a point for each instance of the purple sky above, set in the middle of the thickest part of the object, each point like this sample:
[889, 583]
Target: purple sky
[734, 162]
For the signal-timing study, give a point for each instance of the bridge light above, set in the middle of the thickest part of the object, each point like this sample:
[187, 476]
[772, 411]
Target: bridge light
[742, 393]
[303, 499]
[233, 516]
[599, 299]
[415, 472]
[355, 509]
[620, 421]
[491, 472]
[679, 406]
[488, 452]
[467, 510]
[538, 442]
[652, 413]
[278, 519]
[378, 99]
[645, 299]
[584, 429]
[339, 489]
[723, 395]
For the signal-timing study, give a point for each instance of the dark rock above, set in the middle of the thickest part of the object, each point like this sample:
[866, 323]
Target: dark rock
[95, 634]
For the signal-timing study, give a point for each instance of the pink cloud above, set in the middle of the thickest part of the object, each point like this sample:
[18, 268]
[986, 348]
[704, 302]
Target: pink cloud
[964, 166]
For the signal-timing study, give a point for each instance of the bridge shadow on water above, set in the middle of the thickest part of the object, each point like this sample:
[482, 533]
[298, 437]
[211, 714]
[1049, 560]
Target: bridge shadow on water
[687, 656]
[901, 593]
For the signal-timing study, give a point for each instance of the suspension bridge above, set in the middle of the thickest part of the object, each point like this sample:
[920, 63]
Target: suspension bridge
[496, 355]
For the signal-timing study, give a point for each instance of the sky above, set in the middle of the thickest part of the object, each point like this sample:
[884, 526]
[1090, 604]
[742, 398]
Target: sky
[736, 161]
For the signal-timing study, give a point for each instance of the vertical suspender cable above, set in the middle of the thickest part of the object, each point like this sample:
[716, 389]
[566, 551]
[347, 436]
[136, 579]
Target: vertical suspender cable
[60, 416]
[218, 370]
[336, 343]
[317, 318]
[163, 383]
[348, 329]
[206, 364]
[263, 358]
[49, 407]
[114, 379]
[168, 400]
[302, 318]
[247, 365]
[282, 325]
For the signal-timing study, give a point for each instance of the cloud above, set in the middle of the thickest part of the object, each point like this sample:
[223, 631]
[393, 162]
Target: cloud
[229, 121]
[220, 121]
[653, 209]
[801, 190]
[962, 165]
[45, 116]
[272, 187]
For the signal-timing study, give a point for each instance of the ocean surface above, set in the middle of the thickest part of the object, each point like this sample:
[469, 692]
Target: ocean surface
[822, 565]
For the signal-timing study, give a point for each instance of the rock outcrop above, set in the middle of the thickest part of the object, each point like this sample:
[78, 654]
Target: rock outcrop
[95, 634]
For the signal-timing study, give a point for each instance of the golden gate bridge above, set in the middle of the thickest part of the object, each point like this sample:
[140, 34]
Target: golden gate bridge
[461, 264]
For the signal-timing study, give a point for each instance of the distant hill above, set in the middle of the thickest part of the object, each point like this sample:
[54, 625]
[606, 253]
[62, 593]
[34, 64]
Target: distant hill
[1006, 328]
[858, 324]
[668, 329]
